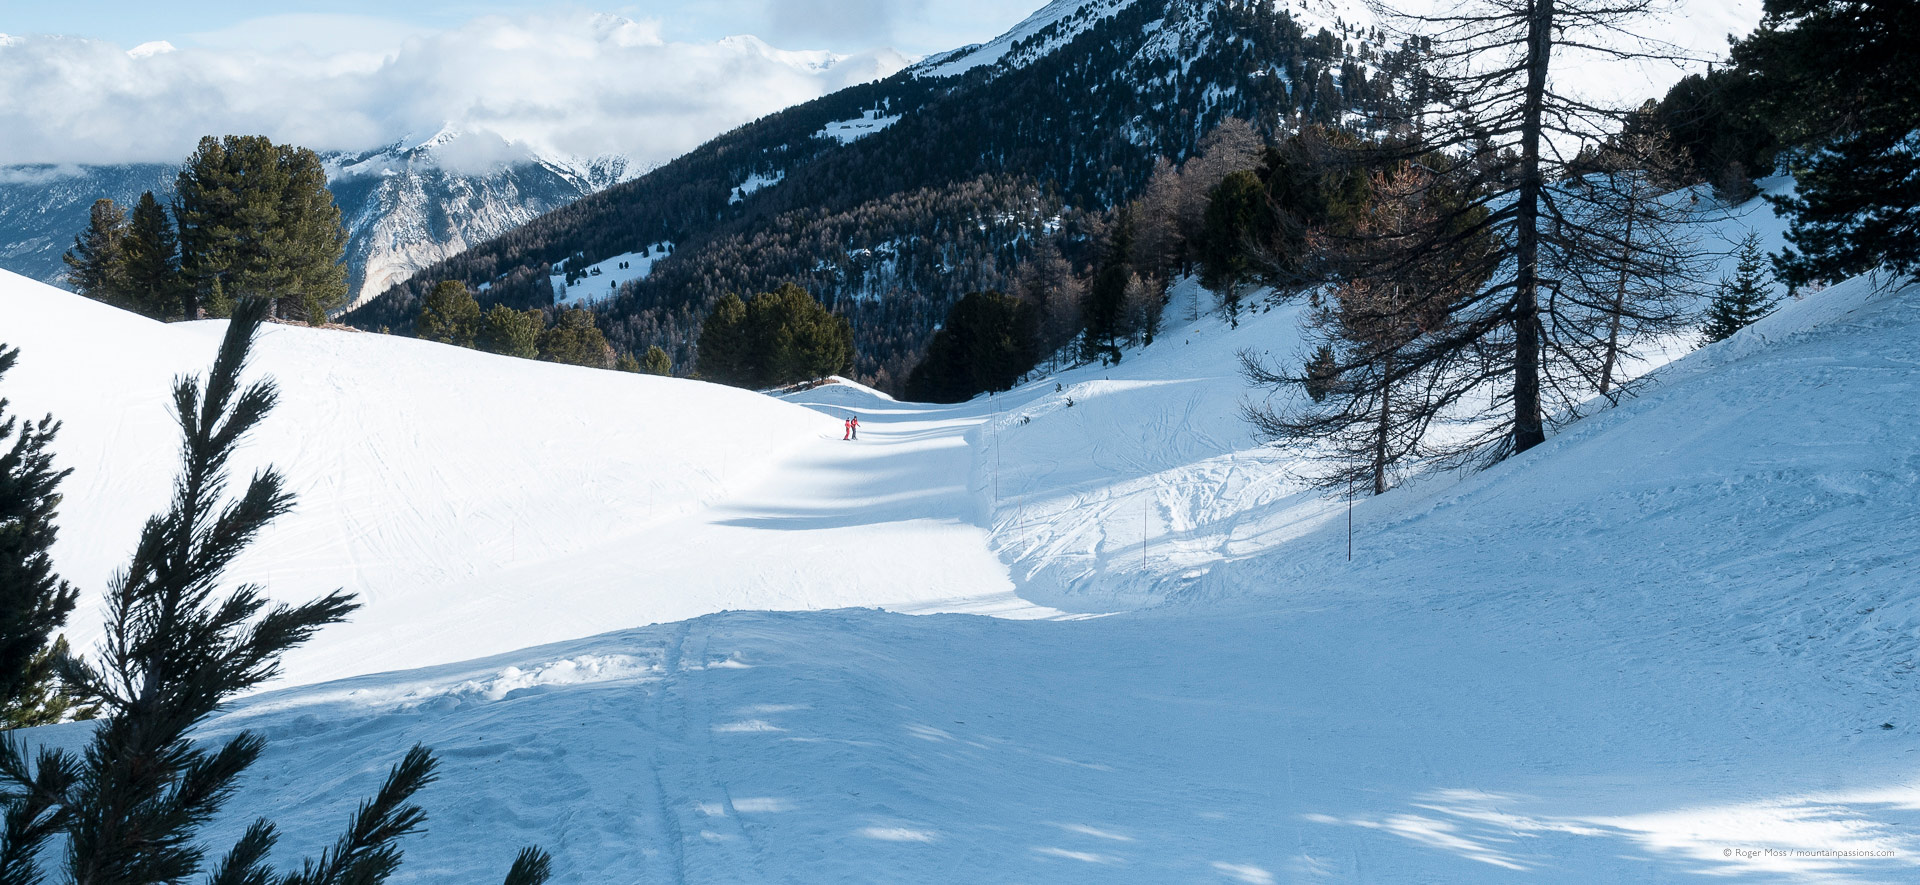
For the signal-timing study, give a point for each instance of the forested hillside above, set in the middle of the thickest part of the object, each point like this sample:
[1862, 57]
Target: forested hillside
[892, 199]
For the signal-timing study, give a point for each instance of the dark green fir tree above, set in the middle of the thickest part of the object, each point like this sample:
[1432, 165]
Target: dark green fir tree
[796, 338]
[657, 362]
[779, 337]
[153, 261]
[1226, 264]
[1104, 308]
[97, 263]
[576, 340]
[1742, 298]
[450, 315]
[510, 332]
[257, 219]
[34, 602]
[1837, 79]
[724, 349]
[988, 341]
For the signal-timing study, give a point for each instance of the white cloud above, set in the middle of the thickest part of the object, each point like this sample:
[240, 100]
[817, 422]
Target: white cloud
[576, 84]
[151, 47]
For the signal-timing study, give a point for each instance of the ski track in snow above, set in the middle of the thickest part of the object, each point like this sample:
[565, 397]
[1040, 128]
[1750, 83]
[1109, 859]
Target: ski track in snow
[1662, 642]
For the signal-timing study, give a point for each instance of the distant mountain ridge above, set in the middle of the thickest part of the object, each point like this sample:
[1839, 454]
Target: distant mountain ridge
[891, 199]
[404, 206]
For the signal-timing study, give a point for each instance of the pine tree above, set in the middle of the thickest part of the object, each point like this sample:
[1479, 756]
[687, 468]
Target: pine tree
[47, 700]
[510, 332]
[217, 305]
[776, 338]
[626, 363]
[153, 261]
[1837, 80]
[129, 808]
[257, 218]
[1104, 308]
[796, 338]
[1234, 211]
[657, 361]
[988, 341]
[34, 601]
[97, 263]
[575, 340]
[724, 347]
[1744, 297]
[1232, 146]
[450, 315]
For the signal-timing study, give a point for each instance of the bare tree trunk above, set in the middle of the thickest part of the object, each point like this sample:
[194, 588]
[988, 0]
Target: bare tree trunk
[1529, 428]
[1620, 293]
[1380, 432]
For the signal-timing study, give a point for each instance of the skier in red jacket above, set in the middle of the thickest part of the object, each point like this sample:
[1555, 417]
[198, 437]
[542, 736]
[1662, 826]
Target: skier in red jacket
[853, 427]
[848, 424]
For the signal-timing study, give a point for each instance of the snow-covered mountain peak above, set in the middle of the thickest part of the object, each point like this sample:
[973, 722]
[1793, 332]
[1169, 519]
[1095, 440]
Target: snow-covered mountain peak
[811, 60]
[1059, 22]
[154, 47]
[1053, 26]
[619, 30]
[446, 134]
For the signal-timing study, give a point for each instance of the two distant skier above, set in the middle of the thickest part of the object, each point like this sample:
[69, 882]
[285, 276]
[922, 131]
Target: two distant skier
[853, 428]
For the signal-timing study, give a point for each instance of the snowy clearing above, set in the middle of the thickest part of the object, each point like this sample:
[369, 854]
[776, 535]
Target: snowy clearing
[603, 279]
[756, 182]
[849, 131]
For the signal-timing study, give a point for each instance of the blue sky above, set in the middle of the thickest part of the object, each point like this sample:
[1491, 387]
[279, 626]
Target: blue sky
[914, 27]
[109, 81]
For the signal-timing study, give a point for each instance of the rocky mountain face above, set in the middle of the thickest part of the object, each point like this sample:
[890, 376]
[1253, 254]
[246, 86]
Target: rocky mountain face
[404, 207]
[43, 206]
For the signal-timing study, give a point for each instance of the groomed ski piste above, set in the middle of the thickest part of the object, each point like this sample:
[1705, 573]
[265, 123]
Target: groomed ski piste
[675, 632]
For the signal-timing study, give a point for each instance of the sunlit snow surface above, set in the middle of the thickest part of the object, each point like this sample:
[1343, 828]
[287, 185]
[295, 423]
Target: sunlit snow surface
[480, 504]
[1652, 649]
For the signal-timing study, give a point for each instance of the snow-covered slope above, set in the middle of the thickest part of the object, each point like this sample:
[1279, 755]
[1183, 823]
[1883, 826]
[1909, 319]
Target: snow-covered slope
[1166, 459]
[1676, 641]
[1052, 26]
[1057, 23]
[479, 503]
[1677, 636]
